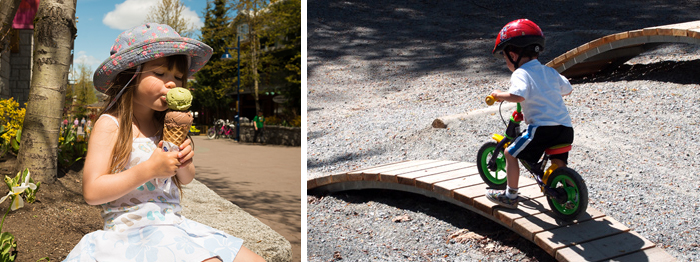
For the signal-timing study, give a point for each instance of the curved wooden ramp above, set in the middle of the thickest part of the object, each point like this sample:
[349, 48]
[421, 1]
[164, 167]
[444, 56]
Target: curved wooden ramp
[594, 237]
[616, 49]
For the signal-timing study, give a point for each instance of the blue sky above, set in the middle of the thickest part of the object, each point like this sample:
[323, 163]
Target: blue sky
[100, 22]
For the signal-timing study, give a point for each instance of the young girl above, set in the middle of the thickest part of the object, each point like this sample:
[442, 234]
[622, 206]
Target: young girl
[127, 172]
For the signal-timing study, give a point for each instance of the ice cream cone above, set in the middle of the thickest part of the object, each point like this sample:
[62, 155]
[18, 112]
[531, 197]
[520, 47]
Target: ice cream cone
[175, 134]
[177, 125]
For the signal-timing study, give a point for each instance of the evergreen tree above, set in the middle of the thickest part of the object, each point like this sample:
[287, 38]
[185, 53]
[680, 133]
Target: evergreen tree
[215, 83]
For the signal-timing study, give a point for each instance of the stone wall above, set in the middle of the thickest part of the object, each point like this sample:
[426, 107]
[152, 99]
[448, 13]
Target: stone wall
[21, 67]
[5, 73]
[275, 135]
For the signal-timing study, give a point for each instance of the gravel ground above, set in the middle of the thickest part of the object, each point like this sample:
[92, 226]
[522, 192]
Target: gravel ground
[379, 73]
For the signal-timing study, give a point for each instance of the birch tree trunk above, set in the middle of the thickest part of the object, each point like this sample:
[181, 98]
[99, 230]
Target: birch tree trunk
[254, 64]
[7, 14]
[252, 8]
[54, 32]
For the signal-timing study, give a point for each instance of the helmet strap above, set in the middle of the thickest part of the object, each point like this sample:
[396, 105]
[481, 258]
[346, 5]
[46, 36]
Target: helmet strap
[516, 62]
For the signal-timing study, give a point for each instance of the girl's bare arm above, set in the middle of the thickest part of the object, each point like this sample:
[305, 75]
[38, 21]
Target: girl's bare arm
[100, 186]
[505, 96]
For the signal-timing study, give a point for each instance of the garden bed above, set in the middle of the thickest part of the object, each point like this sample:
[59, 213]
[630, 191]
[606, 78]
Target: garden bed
[55, 223]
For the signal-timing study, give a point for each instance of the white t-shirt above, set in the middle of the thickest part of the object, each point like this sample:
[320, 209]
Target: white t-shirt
[542, 87]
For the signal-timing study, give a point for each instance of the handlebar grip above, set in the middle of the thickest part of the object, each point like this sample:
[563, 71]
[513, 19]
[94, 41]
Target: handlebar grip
[490, 100]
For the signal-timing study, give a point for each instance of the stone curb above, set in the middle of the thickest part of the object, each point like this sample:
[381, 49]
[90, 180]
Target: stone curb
[201, 204]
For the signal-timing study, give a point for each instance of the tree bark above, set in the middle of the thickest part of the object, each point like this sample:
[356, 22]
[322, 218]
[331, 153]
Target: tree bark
[54, 32]
[256, 76]
[254, 46]
[252, 8]
[7, 14]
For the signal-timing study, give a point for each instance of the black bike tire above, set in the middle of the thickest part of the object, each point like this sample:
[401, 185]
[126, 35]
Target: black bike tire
[211, 133]
[484, 172]
[580, 186]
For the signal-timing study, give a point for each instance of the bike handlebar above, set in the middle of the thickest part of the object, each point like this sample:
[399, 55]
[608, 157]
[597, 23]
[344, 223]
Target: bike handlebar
[490, 100]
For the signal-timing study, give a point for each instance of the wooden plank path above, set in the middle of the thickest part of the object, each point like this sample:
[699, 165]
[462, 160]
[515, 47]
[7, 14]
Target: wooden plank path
[593, 237]
[613, 50]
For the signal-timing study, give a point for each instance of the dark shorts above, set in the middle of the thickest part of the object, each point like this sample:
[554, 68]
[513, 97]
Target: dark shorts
[531, 144]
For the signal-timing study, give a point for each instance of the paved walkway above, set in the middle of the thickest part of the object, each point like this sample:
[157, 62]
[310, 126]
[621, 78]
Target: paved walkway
[264, 180]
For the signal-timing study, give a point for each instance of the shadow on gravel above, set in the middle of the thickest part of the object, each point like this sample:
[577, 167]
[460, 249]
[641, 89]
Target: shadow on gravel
[679, 72]
[433, 35]
[314, 163]
[313, 135]
[454, 215]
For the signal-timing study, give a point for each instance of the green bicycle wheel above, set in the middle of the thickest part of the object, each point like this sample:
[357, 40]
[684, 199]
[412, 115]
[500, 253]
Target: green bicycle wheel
[495, 179]
[568, 182]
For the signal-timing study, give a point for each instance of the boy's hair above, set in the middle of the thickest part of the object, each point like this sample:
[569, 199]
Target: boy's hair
[530, 51]
[123, 107]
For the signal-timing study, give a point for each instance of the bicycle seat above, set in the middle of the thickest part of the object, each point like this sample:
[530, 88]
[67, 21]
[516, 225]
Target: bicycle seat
[558, 149]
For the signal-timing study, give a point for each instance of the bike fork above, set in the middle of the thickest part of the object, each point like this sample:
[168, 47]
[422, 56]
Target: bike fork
[492, 162]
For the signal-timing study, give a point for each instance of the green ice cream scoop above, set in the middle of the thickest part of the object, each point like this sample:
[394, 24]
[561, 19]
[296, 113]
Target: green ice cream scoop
[179, 99]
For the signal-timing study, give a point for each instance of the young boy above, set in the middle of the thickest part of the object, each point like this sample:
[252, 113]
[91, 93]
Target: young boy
[539, 90]
[259, 127]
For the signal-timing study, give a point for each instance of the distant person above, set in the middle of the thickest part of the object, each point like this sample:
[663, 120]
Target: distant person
[539, 90]
[259, 127]
[88, 127]
[136, 183]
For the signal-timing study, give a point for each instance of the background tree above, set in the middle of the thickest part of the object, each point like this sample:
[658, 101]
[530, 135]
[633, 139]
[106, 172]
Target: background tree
[213, 83]
[254, 18]
[169, 12]
[83, 90]
[80, 93]
[54, 32]
[283, 33]
[7, 14]
[276, 27]
[68, 95]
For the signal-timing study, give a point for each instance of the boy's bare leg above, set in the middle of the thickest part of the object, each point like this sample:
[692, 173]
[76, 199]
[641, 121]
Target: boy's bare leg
[512, 170]
[507, 198]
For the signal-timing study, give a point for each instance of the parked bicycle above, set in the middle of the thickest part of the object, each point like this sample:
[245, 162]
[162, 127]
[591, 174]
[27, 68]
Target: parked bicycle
[222, 128]
[565, 190]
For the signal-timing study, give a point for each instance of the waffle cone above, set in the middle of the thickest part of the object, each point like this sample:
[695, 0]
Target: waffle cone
[175, 134]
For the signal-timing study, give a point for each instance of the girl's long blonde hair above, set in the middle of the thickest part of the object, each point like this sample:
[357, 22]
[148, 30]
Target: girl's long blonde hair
[123, 107]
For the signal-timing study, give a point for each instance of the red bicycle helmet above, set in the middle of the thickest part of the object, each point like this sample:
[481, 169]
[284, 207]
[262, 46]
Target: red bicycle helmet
[520, 33]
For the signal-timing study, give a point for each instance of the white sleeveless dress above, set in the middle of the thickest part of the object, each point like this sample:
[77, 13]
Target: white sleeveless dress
[146, 225]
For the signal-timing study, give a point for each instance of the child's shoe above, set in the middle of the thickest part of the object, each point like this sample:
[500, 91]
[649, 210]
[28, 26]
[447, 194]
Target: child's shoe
[499, 197]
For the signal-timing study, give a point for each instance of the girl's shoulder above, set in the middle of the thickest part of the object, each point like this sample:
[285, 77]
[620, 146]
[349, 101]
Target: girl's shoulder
[108, 116]
[106, 123]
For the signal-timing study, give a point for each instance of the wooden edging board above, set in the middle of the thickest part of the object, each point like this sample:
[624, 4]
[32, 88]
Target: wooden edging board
[616, 49]
[593, 237]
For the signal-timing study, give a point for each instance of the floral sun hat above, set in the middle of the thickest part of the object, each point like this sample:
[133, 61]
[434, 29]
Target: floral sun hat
[145, 43]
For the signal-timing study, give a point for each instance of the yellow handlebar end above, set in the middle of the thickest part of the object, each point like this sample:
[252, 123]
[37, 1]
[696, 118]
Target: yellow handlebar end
[490, 100]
